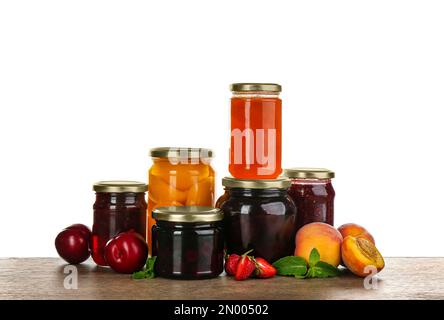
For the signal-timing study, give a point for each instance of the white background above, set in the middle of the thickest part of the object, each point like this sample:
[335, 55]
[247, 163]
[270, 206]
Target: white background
[88, 87]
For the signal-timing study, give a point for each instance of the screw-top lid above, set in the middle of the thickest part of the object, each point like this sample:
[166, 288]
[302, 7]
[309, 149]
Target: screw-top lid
[309, 173]
[118, 186]
[188, 214]
[247, 87]
[182, 153]
[280, 183]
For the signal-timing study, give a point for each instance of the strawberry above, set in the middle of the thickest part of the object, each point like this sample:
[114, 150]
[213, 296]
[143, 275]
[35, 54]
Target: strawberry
[264, 269]
[245, 267]
[231, 263]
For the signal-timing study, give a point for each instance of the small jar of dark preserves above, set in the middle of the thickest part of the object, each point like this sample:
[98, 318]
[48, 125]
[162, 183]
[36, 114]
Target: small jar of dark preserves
[120, 206]
[188, 242]
[259, 215]
[312, 192]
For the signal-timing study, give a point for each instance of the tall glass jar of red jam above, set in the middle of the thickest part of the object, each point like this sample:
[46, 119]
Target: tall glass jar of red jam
[259, 215]
[188, 242]
[312, 192]
[120, 206]
[256, 125]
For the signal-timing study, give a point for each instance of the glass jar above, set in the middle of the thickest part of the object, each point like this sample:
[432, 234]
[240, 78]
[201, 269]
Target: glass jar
[120, 206]
[179, 177]
[312, 192]
[188, 242]
[256, 122]
[220, 201]
[259, 215]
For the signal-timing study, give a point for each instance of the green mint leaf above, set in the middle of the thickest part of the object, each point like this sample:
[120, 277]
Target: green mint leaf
[291, 266]
[324, 270]
[314, 257]
[150, 263]
[147, 272]
[139, 275]
[310, 274]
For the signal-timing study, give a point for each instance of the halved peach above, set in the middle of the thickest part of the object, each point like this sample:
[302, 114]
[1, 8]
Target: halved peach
[355, 230]
[359, 254]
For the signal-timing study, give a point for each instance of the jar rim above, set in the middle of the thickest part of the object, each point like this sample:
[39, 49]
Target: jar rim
[279, 183]
[181, 153]
[120, 186]
[309, 173]
[253, 87]
[188, 214]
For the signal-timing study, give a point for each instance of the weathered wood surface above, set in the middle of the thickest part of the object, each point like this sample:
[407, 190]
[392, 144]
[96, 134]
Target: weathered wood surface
[43, 278]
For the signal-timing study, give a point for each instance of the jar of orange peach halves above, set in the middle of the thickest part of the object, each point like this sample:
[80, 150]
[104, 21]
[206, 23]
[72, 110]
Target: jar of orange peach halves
[179, 177]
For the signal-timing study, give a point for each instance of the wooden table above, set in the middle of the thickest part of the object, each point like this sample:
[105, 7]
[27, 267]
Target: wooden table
[43, 278]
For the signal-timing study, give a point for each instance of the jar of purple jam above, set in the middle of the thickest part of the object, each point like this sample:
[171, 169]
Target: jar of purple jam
[120, 206]
[259, 215]
[312, 192]
[188, 242]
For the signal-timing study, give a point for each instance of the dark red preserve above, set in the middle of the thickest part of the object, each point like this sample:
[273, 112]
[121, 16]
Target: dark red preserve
[120, 206]
[188, 242]
[259, 215]
[312, 192]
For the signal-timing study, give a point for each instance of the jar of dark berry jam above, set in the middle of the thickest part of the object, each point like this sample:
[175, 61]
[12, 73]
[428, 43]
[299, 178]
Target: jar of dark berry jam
[120, 206]
[188, 242]
[312, 192]
[259, 215]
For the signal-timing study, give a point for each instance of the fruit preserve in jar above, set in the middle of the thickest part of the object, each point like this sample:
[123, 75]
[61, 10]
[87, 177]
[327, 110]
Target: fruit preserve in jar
[256, 122]
[120, 206]
[179, 177]
[312, 192]
[220, 201]
[188, 242]
[259, 215]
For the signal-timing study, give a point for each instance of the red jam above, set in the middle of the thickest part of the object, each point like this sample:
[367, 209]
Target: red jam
[313, 194]
[120, 206]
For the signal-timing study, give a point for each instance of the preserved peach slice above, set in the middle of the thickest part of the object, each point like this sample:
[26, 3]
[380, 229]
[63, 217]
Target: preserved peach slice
[182, 175]
[168, 204]
[358, 254]
[159, 191]
[161, 168]
[201, 193]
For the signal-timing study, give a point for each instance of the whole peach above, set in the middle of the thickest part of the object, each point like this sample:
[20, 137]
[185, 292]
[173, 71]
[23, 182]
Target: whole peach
[325, 238]
[355, 230]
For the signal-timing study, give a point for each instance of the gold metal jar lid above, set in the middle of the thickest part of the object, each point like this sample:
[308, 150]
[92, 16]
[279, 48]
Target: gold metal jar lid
[188, 214]
[247, 87]
[117, 186]
[188, 153]
[309, 173]
[280, 183]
